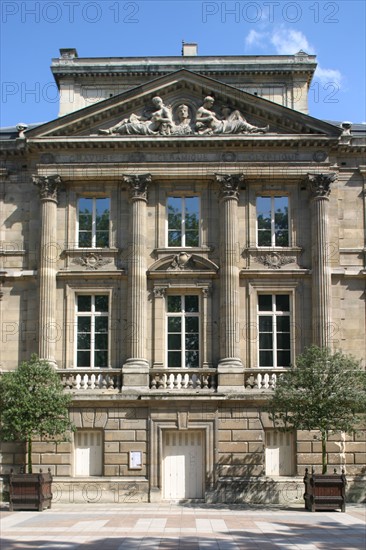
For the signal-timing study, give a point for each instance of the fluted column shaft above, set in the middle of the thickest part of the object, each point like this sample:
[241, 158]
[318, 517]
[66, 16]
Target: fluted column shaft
[229, 270]
[137, 287]
[321, 271]
[47, 269]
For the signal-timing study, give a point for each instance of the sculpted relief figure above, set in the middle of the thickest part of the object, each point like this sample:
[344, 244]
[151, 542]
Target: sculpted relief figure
[233, 122]
[160, 122]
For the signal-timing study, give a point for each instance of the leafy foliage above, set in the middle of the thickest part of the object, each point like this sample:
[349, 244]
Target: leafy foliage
[325, 392]
[32, 403]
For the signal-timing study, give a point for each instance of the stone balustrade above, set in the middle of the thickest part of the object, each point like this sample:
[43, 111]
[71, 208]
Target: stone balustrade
[166, 379]
[91, 379]
[261, 378]
[183, 379]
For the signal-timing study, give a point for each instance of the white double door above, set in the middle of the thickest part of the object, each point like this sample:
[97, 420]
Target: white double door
[183, 466]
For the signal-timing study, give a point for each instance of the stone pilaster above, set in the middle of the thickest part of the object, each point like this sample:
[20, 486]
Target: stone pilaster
[48, 187]
[230, 368]
[321, 274]
[136, 369]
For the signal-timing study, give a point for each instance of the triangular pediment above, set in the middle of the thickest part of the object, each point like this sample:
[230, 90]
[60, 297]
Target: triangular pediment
[182, 112]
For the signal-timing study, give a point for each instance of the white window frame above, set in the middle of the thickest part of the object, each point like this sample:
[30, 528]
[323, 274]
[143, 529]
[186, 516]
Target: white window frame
[94, 222]
[93, 316]
[183, 315]
[183, 197]
[275, 315]
[273, 230]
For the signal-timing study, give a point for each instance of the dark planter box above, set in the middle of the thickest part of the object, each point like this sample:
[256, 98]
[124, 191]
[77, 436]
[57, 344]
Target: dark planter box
[30, 491]
[325, 492]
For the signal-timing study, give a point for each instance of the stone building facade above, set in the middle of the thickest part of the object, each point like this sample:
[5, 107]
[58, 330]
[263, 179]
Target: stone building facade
[170, 243]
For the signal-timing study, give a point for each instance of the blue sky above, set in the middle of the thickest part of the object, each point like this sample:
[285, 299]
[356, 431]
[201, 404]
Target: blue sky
[33, 31]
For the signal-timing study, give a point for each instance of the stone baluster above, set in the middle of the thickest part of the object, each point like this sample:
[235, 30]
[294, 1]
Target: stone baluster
[230, 368]
[48, 256]
[321, 273]
[136, 369]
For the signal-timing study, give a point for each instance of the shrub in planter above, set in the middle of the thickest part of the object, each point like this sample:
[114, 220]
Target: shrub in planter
[324, 391]
[32, 404]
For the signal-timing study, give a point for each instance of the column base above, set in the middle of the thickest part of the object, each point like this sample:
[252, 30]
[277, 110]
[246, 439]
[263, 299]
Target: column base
[52, 363]
[230, 374]
[135, 374]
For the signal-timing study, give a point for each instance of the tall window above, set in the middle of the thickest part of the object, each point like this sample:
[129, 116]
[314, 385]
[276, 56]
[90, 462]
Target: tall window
[183, 331]
[92, 331]
[272, 221]
[183, 221]
[274, 330]
[93, 226]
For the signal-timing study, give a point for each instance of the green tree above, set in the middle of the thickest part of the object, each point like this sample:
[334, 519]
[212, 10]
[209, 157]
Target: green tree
[33, 403]
[324, 392]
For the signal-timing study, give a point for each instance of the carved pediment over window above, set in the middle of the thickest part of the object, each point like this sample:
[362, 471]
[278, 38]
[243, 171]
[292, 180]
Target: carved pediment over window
[184, 262]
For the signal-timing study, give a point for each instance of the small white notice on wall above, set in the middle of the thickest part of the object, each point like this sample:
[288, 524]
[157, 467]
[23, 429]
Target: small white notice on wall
[135, 460]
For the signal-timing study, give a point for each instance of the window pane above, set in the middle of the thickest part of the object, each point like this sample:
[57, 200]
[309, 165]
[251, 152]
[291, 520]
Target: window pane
[84, 303]
[102, 239]
[174, 359]
[265, 340]
[265, 359]
[174, 324]
[265, 302]
[101, 303]
[283, 324]
[85, 222]
[83, 359]
[174, 342]
[84, 324]
[175, 238]
[282, 302]
[101, 358]
[85, 206]
[265, 323]
[174, 213]
[264, 238]
[102, 214]
[174, 304]
[85, 239]
[192, 238]
[192, 212]
[192, 359]
[101, 324]
[192, 342]
[264, 212]
[281, 238]
[83, 341]
[283, 359]
[101, 341]
[191, 303]
[281, 212]
[283, 340]
[192, 324]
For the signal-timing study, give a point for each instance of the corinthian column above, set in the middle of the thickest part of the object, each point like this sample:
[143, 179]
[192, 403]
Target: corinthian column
[47, 186]
[230, 368]
[321, 275]
[136, 369]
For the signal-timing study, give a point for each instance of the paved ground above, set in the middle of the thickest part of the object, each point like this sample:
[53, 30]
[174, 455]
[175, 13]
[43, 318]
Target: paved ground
[190, 527]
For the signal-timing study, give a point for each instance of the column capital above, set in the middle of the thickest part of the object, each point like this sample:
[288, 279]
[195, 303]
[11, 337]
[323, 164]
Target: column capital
[47, 186]
[320, 184]
[137, 185]
[229, 185]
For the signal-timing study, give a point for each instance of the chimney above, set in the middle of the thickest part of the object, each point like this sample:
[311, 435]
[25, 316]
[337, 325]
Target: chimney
[189, 48]
[68, 53]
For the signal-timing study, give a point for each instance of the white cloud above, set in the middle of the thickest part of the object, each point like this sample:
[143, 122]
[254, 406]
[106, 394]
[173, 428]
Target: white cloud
[326, 76]
[255, 38]
[289, 42]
